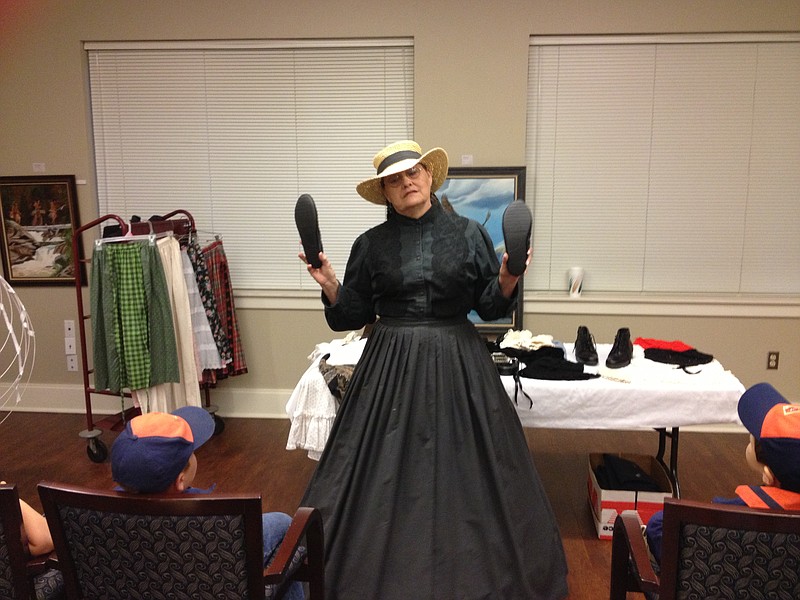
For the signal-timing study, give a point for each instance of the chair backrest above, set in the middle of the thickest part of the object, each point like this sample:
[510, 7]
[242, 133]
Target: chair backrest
[118, 545]
[724, 551]
[14, 581]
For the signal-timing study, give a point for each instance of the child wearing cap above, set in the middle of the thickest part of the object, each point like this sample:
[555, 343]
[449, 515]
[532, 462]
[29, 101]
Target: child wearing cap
[773, 452]
[155, 454]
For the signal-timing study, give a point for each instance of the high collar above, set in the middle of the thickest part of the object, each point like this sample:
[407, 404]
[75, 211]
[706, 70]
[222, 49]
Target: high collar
[428, 216]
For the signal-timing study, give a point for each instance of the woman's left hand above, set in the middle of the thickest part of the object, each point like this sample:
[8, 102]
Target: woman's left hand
[508, 282]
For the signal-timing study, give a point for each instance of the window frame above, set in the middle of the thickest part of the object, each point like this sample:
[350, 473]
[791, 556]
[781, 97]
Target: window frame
[555, 250]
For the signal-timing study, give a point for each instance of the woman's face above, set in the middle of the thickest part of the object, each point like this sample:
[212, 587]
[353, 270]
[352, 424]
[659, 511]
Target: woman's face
[409, 192]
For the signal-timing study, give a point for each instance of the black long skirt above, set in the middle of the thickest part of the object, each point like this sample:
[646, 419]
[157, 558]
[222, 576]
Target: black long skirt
[426, 484]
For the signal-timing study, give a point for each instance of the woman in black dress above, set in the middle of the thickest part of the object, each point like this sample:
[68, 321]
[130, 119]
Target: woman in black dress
[426, 484]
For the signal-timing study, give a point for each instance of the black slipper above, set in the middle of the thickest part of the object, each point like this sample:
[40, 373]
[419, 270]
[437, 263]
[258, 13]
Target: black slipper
[517, 224]
[305, 217]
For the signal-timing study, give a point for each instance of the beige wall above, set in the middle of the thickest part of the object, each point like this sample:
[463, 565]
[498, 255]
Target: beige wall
[470, 90]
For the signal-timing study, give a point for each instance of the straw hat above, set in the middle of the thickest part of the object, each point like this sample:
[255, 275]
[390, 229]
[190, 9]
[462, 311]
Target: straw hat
[399, 157]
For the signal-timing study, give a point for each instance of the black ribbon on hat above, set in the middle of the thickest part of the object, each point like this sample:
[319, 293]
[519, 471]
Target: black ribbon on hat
[397, 157]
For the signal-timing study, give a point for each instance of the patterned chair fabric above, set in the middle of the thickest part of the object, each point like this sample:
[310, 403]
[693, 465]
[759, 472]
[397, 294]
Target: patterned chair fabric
[7, 587]
[710, 551]
[49, 585]
[160, 557]
[718, 562]
[210, 548]
[113, 545]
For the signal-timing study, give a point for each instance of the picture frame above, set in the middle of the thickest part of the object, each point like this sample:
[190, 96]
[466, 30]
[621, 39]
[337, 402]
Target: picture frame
[483, 194]
[40, 216]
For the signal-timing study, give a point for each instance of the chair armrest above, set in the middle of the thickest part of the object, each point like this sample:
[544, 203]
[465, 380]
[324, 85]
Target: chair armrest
[630, 561]
[40, 564]
[307, 522]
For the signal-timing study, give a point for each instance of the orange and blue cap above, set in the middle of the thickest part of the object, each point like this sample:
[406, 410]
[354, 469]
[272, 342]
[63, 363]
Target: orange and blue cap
[775, 423]
[153, 449]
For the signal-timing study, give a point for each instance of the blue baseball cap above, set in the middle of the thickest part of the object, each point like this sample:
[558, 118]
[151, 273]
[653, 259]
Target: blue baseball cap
[153, 449]
[775, 423]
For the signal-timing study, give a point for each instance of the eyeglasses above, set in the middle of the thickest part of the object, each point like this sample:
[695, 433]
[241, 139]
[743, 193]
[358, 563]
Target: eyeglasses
[396, 179]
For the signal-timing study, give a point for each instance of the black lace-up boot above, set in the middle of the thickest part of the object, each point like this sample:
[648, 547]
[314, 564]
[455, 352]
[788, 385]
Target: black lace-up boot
[585, 350]
[622, 350]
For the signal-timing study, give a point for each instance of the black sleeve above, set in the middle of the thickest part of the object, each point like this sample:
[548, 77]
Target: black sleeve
[490, 302]
[354, 306]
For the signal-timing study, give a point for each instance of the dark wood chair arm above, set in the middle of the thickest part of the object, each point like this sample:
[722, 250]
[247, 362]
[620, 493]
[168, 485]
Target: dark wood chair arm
[630, 561]
[40, 564]
[306, 523]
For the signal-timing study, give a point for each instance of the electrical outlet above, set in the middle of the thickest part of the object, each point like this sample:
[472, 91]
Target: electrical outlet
[72, 362]
[69, 346]
[772, 360]
[69, 328]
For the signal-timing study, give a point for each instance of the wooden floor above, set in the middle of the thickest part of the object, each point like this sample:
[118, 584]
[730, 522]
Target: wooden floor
[249, 455]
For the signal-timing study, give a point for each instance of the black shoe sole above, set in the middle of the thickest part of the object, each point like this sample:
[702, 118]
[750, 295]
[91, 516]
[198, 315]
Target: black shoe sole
[587, 360]
[305, 217]
[618, 365]
[517, 223]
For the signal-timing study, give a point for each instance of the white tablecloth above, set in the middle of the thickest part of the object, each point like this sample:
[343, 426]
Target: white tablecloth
[644, 395]
[655, 395]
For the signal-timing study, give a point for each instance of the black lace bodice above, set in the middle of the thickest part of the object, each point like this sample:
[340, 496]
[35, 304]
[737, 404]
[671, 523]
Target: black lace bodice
[439, 266]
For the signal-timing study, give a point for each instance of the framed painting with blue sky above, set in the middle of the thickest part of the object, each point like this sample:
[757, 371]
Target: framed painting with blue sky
[482, 194]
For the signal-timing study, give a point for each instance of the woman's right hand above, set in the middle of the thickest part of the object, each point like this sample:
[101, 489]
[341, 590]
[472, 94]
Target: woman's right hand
[325, 276]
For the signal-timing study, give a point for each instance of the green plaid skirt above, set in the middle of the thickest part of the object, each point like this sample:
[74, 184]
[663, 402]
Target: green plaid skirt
[132, 329]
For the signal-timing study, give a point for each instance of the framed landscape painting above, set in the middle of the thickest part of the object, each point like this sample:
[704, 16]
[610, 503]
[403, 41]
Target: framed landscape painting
[482, 194]
[40, 216]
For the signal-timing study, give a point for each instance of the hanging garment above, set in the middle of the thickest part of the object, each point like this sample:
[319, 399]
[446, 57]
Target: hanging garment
[314, 400]
[103, 302]
[219, 276]
[130, 326]
[205, 288]
[133, 320]
[312, 410]
[169, 396]
[206, 351]
[164, 353]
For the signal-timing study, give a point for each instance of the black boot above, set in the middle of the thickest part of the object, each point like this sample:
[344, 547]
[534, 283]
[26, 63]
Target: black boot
[622, 350]
[585, 350]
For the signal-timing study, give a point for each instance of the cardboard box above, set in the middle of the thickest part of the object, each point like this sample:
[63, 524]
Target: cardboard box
[607, 504]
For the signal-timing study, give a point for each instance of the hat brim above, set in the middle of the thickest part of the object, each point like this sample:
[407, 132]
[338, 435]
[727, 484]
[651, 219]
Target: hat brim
[754, 405]
[435, 159]
[200, 422]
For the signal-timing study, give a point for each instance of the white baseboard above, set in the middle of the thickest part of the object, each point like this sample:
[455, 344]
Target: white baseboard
[252, 404]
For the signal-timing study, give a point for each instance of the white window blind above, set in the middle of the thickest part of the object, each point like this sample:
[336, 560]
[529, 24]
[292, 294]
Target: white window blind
[234, 132]
[665, 164]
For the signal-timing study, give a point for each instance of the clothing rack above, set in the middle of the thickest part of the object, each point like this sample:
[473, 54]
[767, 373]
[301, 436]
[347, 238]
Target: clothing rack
[96, 448]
